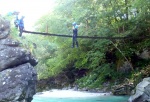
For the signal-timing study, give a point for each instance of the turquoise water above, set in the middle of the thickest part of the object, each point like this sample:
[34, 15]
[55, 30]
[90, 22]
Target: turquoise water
[82, 99]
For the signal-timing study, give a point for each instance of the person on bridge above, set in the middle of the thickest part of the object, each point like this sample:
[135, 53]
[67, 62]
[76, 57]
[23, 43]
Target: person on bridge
[16, 21]
[75, 34]
[21, 25]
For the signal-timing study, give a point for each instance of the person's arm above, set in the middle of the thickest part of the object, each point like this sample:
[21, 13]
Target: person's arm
[73, 27]
[80, 25]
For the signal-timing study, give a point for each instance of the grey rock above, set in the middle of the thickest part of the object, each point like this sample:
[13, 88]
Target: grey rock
[12, 55]
[17, 76]
[18, 84]
[142, 92]
[145, 54]
[125, 68]
[124, 89]
[9, 42]
[4, 28]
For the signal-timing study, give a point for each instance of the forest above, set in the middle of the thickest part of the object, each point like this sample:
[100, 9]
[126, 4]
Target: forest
[100, 60]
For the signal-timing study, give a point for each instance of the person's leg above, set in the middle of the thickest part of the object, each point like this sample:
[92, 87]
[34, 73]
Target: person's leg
[15, 24]
[73, 40]
[76, 41]
[20, 31]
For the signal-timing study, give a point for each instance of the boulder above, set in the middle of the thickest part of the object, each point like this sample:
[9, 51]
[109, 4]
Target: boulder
[142, 92]
[123, 89]
[17, 76]
[145, 54]
[4, 28]
[18, 84]
[125, 68]
[11, 55]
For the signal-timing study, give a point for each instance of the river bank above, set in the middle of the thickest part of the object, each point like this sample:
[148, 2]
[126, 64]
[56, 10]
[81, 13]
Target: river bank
[56, 95]
[69, 93]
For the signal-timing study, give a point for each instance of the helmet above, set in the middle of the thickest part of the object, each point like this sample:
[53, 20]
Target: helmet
[21, 17]
[74, 23]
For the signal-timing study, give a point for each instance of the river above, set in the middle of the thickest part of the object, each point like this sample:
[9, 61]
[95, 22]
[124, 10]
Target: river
[76, 96]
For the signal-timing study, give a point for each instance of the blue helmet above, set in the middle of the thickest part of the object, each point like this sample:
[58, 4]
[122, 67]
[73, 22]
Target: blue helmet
[22, 17]
[74, 23]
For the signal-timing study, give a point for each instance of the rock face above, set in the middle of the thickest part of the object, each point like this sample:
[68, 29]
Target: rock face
[11, 55]
[65, 78]
[17, 83]
[17, 76]
[142, 92]
[124, 89]
[145, 54]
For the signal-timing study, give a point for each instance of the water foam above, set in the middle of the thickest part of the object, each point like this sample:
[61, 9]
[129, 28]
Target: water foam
[69, 94]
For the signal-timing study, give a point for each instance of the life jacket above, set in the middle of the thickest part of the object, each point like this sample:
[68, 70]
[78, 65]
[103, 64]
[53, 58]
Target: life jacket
[75, 27]
[21, 22]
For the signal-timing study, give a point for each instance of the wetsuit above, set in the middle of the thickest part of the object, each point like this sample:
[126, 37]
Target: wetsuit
[74, 37]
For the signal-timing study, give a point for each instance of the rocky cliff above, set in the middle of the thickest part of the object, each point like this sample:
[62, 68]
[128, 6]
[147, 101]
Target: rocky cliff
[17, 76]
[142, 92]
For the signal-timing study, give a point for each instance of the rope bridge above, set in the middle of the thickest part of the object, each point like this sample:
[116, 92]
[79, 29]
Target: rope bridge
[88, 37]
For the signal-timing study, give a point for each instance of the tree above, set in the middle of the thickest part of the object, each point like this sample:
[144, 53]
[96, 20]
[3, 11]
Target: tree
[100, 18]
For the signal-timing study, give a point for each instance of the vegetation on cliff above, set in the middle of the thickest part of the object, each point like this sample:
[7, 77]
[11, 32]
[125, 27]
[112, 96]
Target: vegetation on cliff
[103, 60]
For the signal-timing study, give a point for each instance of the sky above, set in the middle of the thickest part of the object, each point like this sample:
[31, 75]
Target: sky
[31, 9]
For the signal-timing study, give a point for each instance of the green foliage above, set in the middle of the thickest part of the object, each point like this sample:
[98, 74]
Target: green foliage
[99, 18]
[99, 75]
